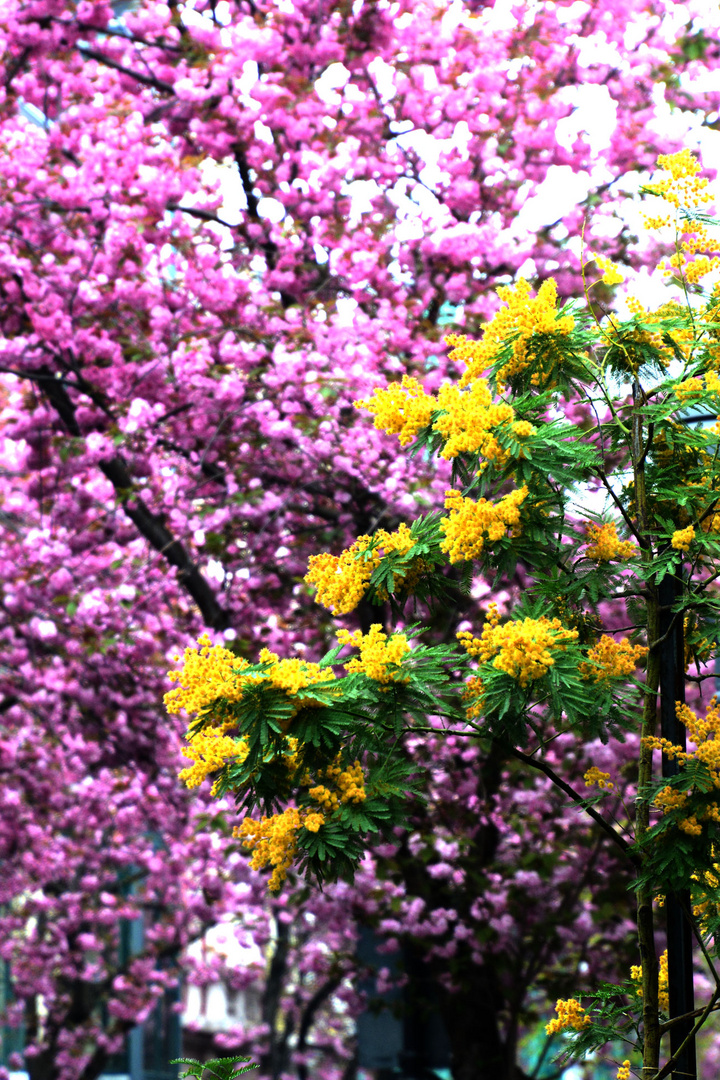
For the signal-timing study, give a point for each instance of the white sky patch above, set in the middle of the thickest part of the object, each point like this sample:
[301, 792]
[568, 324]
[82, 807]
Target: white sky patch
[270, 208]
[595, 115]
[345, 307]
[332, 79]
[561, 188]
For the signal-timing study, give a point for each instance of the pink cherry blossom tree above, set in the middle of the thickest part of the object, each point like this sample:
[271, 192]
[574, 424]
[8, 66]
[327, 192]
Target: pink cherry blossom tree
[220, 223]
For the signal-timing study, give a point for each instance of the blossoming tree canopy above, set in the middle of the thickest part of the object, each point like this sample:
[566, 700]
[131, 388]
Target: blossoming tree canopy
[320, 753]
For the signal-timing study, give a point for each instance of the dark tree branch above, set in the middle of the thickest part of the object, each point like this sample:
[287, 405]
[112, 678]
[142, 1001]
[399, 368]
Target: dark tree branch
[146, 80]
[150, 525]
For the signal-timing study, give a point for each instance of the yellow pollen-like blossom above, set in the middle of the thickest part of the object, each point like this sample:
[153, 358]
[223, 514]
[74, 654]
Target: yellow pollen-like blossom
[273, 842]
[597, 776]
[705, 734]
[209, 749]
[523, 648]
[683, 189]
[683, 538]
[214, 672]
[523, 315]
[471, 524]
[570, 1014]
[468, 420]
[341, 786]
[522, 429]
[611, 659]
[313, 821]
[610, 273]
[670, 799]
[604, 543]
[623, 1072]
[342, 580]
[207, 673]
[380, 656]
[689, 387]
[401, 409]
[636, 974]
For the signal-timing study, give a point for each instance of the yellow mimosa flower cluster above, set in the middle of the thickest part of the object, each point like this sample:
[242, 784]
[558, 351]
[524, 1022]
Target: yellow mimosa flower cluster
[570, 1014]
[212, 671]
[524, 315]
[473, 694]
[273, 842]
[348, 786]
[209, 749]
[207, 673]
[522, 649]
[683, 189]
[689, 388]
[683, 538]
[401, 408]
[670, 799]
[380, 656]
[610, 272]
[342, 580]
[468, 419]
[522, 429]
[636, 974]
[611, 659]
[706, 736]
[595, 776]
[604, 543]
[623, 1072]
[472, 523]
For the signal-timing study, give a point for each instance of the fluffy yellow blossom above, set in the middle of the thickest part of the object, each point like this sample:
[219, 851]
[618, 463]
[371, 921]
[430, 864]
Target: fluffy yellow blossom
[611, 659]
[705, 734]
[636, 974]
[610, 273]
[683, 538]
[683, 187]
[604, 543]
[596, 776]
[468, 419]
[523, 649]
[207, 673]
[623, 1072]
[523, 315]
[473, 695]
[401, 409]
[472, 523]
[684, 190]
[273, 842]
[212, 671]
[292, 675]
[687, 388]
[313, 821]
[341, 786]
[342, 580]
[209, 749]
[380, 656]
[570, 1014]
[522, 429]
[670, 799]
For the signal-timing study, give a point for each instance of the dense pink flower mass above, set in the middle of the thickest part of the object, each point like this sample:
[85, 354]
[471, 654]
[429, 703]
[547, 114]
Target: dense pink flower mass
[220, 224]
